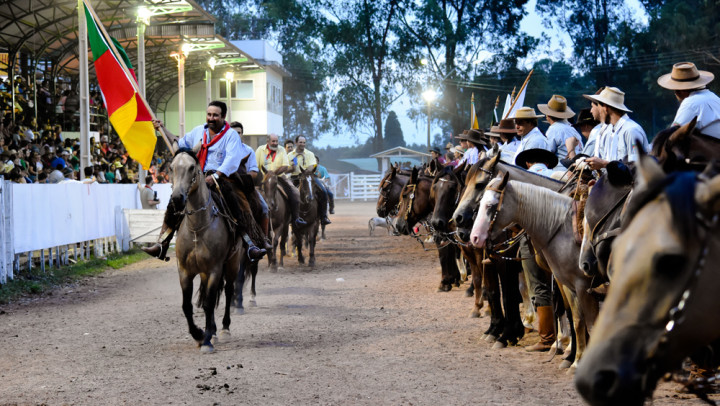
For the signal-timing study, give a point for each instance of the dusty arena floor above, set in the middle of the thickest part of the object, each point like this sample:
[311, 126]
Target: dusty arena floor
[366, 326]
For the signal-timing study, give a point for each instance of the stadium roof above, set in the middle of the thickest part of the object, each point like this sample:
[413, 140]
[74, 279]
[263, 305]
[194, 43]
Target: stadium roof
[47, 30]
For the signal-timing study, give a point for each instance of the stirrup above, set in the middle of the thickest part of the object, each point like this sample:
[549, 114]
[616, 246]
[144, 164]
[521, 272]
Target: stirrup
[158, 250]
[325, 221]
[255, 253]
[300, 222]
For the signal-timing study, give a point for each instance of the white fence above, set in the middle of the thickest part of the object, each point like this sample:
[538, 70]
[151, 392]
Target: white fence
[61, 219]
[355, 187]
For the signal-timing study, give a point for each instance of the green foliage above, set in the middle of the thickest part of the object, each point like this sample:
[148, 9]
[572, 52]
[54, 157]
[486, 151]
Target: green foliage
[36, 282]
[393, 132]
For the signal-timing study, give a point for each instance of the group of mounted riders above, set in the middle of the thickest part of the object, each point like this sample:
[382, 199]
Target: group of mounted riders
[554, 207]
[234, 170]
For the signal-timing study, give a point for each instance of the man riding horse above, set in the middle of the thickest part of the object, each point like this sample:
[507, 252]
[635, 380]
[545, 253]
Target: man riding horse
[220, 155]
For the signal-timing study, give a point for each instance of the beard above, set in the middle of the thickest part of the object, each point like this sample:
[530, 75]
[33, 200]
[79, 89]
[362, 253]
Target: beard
[216, 126]
[271, 148]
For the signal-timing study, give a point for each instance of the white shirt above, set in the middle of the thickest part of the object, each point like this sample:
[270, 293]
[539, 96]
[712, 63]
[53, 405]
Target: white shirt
[470, 156]
[705, 105]
[533, 139]
[224, 156]
[507, 150]
[541, 169]
[601, 138]
[621, 139]
[558, 133]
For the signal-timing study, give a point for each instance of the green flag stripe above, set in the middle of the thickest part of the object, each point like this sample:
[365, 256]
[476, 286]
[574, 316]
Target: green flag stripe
[122, 52]
[98, 45]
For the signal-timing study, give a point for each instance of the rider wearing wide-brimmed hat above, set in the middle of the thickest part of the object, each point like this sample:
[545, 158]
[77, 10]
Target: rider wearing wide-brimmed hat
[689, 85]
[476, 142]
[562, 137]
[619, 139]
[537, 160]
[526, 129]
[507, 143]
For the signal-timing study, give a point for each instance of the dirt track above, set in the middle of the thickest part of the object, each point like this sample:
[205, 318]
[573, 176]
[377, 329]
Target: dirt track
[364, 327]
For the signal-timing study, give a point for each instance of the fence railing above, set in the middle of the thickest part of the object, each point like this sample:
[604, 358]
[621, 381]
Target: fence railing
[355, 187]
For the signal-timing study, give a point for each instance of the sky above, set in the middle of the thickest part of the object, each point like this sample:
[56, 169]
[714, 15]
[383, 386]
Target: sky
[415, 132]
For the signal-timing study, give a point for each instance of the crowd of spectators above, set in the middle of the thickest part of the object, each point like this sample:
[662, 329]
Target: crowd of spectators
[40, 153]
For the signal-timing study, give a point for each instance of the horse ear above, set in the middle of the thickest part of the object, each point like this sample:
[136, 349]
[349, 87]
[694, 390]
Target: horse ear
[244, 160]
[648, 171]
[433, 166]
[708, 195]
[683, 132]
[393, 170]
[414, 176]
[494, 160]
[197, 147]
[505, 179]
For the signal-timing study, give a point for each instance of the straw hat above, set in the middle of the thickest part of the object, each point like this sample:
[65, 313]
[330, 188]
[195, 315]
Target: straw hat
[525, 113]
[556, 107]
[612, 96]
[505, 126]
[685, 76]
[457, 150]
[448, 146]
[535, 155]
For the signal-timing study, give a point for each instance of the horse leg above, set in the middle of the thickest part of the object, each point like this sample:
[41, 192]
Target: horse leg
[312, 240]
[514, 328]
[570, 356]
[230, 274]
[283, 242]
[474, 260]
[298, 247]
[253, 271]
[186, 284]
[239, 284]
[211, 291]
[450, 273]
[529, 313]
[322, 235]
[492, 290]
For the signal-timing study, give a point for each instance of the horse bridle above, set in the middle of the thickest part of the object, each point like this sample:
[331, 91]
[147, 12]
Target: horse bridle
[412, 187]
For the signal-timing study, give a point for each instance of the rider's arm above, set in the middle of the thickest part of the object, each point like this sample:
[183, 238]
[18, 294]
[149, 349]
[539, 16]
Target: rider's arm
[233, 152]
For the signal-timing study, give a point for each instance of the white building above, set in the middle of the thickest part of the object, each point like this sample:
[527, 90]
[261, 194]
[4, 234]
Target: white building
[256, 95]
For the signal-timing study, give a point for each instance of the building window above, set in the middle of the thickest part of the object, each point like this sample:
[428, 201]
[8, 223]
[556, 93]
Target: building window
[245, 89]
[223, 90]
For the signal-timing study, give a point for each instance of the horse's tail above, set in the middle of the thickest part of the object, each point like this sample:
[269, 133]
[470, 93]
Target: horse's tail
[202, 293]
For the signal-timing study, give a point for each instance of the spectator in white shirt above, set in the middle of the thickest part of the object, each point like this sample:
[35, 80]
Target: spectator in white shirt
[689, 85]
[526, 129]
[476, 143]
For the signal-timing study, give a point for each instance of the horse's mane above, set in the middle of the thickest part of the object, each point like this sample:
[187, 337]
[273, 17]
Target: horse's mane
[679, 187]
[661, 139]
[188, 151]
[547, 210]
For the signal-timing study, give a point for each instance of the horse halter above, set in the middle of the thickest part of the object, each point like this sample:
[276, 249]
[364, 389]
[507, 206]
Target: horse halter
[411, 187]
[384, 190]
[498, 207]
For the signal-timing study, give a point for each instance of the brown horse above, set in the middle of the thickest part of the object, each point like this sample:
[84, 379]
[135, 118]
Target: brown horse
[684, 148]
[661, 306]
[279, 215]
[390, 187]
[205, 246]
[309, 213]
[415, 207]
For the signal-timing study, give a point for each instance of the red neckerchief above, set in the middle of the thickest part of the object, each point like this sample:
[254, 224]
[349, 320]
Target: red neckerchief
[148, 187]
[202, 154]
[272, 154]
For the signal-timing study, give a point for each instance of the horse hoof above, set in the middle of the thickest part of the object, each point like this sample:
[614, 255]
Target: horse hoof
[499, 345]
[469, 293]
[571, 370]
[238, 310]
[206, 349]
[565, 364]
[214, 340]
[490, 338]
[483, 337]
[224, 335]
[253, 303]
[475, 315]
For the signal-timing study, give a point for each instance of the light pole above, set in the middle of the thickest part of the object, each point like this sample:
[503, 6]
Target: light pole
[429, 96]
[180, 58]
[229, 76]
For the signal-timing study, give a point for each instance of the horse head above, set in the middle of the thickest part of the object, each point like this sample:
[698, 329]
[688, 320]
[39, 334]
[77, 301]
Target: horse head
[383, 206]
[445, 192]
[477, 178]
[186, 177]
[269, 187]
[490, 207]
[405, 203]
[658, 310]
[306, 184]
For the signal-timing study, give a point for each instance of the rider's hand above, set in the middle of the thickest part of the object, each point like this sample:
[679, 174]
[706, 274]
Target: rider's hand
[596, 163]
[209, 180]
[157, 124]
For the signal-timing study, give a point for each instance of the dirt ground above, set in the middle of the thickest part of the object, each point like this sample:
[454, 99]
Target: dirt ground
[366, 326]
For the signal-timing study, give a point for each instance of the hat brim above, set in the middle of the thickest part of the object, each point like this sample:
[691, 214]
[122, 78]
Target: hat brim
[526, 117]
[668, 82]
[567, 162]
[598, 99]
[545, 109]
[536, 155]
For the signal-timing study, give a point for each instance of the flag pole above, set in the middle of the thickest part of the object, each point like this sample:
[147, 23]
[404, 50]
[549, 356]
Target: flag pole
[520, 92]
[126, 70]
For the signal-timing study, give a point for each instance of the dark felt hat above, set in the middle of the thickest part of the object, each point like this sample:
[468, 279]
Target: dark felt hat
[585, 117]
[475, 136]
[536, 155]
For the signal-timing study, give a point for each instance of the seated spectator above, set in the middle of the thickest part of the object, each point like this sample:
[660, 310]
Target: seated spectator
[59, 159]
[109, 175]
[42, 177]
[89, 176]
[68, 175]
[56, 176]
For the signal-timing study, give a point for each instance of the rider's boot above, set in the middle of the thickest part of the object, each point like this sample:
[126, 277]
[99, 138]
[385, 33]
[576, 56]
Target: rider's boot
[294, 198]
[253, 251]
[160, 248]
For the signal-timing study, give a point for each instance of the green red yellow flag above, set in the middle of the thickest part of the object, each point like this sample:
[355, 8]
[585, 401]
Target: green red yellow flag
[127, 110]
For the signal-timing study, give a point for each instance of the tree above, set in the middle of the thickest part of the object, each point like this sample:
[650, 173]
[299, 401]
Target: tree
[393, 132]
[367, 54]
[451, 34]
